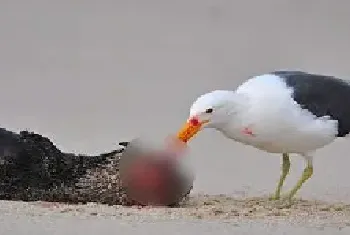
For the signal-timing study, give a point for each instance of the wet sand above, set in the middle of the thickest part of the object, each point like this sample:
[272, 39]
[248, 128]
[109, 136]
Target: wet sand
[88, 74]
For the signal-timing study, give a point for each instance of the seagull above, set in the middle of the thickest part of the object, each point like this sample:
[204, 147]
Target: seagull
[284, 112]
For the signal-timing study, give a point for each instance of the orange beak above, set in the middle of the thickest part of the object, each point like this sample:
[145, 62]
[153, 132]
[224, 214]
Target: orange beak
[190, 129]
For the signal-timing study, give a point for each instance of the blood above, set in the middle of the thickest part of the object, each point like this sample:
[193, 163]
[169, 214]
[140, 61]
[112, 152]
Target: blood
[150, 181]
[145, 175]
[248, 131]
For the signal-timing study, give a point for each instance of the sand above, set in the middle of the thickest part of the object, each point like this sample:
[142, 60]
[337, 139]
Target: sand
[206, 209]
[89, 74]
[211, 207]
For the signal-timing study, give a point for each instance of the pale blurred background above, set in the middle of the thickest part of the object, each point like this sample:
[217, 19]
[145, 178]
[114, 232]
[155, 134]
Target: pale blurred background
[88, 74]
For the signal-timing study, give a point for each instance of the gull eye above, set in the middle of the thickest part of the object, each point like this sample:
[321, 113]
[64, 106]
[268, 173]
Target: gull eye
[210, 110]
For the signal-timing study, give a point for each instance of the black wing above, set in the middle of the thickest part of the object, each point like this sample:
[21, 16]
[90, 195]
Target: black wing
[322, 95]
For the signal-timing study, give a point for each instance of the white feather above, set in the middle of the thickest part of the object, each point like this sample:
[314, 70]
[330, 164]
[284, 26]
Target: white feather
[265, 105]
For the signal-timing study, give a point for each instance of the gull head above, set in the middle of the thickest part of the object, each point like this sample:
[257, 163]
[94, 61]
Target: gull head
[210, 110]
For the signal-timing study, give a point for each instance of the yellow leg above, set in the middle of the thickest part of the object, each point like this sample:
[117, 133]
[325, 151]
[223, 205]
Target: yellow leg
[305, 176]
[285, 171]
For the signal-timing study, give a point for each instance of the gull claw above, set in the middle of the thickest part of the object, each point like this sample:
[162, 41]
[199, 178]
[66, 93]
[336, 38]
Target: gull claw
[287, 200]
[274, 197]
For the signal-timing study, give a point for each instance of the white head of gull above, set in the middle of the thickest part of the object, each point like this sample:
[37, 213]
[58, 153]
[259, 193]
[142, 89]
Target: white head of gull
[279, 112]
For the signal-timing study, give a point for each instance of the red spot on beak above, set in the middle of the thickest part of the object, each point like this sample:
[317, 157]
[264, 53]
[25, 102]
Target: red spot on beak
[194, 121]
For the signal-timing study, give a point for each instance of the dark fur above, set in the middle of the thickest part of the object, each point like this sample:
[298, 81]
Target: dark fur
[32, 168]
[322, 95]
